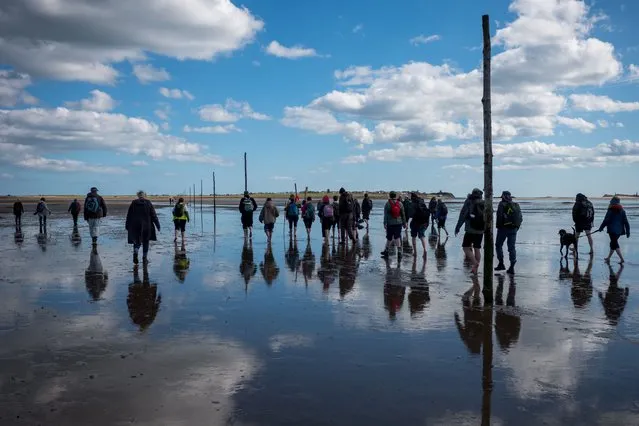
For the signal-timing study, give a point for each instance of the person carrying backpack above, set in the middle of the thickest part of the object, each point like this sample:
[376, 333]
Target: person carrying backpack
[509, 220]
[441, 214]
[346, 210]
[94, 210]
[472, 217]
[43, 212]
[309, 216]
[292, 210]
[336, 217]
[583, 214]
[419, 223]
[180, 217]
[367, 207]
[617, 223]
[75, 208]
[268, 216]
[432, 207]
[394, 220]
[18, 211]
[247, 207]
[326, 213]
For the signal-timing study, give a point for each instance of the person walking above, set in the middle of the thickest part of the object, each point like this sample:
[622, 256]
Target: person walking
[247, 207]
[75, 208]
[180, 217]
[441, 213]
[583, 214]
[94, 210]
[326, 214]
[509, 220]
[419, 223]
[141, 223]
[309, 216]
[432, 207]
[367, 207]
[18, 211]
[268, 216]
[43, 212]
[472, 217]
[394, 220]
[357, 216]
[617, 223]
[346, 209]
[336, 220]
[292, 210]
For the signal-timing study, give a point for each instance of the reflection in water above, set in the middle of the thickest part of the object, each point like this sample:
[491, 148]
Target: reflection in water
[292, 255]
[419, 293]
[76, 239]
[268, 267]
[394, 291]
[406, 244]
[42, 241]
[248, 267]
[581, 290]
[18, 237]
[471, 330]
[366, 246]
[614, 302]
[143, 300]
[432, 241]
[507, 319]
[181, 263]
[440, 254]
[308, 263]
[327, 271]
[348, 265]
[95, 277]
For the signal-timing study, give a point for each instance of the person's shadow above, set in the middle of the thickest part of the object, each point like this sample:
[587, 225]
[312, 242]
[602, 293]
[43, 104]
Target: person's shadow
[348, 266]
[507, 318]
[75, 238]
[394, 291]
[18, 237]
[366, 246]
[95, 277]
[293, 255]
[327, 271]
[581, 290]
[181, 263]
[308, 263]
[43, 239]
[268, 267]
[440, 254]
[419, 295]
[472, 328]
[248, 267]
[143, 300]
[614, 302]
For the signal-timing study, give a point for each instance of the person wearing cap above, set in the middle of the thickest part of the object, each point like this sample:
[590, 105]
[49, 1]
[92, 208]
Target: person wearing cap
[472, 217]
[94, 210]
[247, 207]
[394, 220]
[509, 220]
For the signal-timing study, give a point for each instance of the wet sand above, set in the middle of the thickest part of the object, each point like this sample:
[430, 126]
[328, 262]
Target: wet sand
[227, 333]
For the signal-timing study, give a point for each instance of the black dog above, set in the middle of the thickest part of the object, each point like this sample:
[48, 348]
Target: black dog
[567, 240]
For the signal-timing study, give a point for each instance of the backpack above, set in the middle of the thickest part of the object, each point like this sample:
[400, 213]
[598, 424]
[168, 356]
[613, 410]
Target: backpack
[310, 212]
[178, 210]
[293, 210]
[408, 208]
[512, 215]
[348, 203]
[477, 216]
[587, 211]
[248, 205]
[443, 210]
[328, 211]
[40, 207]
[92, 205]
[422, 213]
[395, 209]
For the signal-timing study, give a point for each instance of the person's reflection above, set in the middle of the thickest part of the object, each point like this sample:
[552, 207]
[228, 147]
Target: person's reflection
[42, 241]
[268, 267]
[419, 295]
[308, 263]
[95, 277]
[293, 255]
[471, 330]
[407, 248]
[564, 271]
[433, 240]
[440, 254]
[18, 237]
[507, 319]
[181, 262]
[581, 290]
[248, 267]
[614, 302]
[143, 300]
[327, 271]
[366, 246]
[348, 266]
[76, 239]
[394, 291]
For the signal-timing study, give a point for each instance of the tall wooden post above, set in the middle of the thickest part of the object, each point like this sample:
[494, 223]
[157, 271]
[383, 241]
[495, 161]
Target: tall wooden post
[489, 245]
[245, 174]
[487, 365]
[201, 193]
[189, 194]
[214, 205]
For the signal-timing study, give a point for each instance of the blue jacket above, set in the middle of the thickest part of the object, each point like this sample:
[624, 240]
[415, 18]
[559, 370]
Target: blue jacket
[616, 220]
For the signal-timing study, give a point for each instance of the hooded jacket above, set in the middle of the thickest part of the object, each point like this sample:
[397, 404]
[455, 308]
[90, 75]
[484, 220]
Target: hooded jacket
[507, 203]
[141, 221]
[103, 208]
[579, 209]
[469, 206]
[18, 208]
[616, 220]
[389, 219]
[269, 213]
[242, 206]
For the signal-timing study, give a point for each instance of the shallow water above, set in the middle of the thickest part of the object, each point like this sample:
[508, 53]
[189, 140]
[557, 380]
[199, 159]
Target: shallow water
[307, 334]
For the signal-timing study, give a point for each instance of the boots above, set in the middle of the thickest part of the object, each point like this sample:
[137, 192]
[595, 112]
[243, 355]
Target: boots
[500, 267]
[511, 270]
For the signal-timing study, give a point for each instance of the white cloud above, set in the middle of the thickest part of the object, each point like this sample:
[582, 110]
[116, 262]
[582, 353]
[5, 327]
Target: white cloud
[256, 63]
[99, 101]
[324, 123]
[590, 102]
[6, 176]
[577, 124]
[281, 178]
[147, 73]
[165, 126]
[163, 112]
[212, 129]
[462, 167]
[422, 39]
[82, 39]
[354, 159]
[619, 124]
[633, 72]
[139, 163]
[12, 89]
[357, 28]
[28, 157]
[294, 52]
[230, 112]
[176, 93]
[603, 124]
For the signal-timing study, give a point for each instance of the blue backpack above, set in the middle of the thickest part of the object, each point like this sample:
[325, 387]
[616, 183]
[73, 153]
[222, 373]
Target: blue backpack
[293, 210]
[92, 205]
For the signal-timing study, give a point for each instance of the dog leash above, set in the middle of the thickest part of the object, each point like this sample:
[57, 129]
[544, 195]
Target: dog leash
[585, 235]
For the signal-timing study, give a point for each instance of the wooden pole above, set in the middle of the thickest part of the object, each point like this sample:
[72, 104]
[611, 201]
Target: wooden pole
[487, 365]
[245, 174]
[214, 205]
[189, 194]
[201, 193]
[488, 169]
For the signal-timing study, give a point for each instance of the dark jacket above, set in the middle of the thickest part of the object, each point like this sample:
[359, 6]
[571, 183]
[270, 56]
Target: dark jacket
[357, 210]
[419, 205]
[75, 208]
[101, 213]
[579, 210]
[466, 211]
[344, 200]
[409, 208]
[18, 208]
[242, 207]
[367, 205]
[441, 210]
[432, 206]
[502, 210]
[616, 220]
[140, 221]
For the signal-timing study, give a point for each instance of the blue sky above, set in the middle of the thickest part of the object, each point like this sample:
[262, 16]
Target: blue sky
[366, 95]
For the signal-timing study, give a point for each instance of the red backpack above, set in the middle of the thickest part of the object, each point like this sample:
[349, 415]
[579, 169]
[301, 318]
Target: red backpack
[395, 210]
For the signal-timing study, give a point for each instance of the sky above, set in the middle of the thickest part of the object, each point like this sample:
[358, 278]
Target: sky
[361, 94]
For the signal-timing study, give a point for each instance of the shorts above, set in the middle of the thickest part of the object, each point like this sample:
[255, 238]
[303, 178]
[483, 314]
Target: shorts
[614, 241]
[308, 223]
[366, 215]
[441, 222]
[393, 232]
[247, 220]
[335, 222]
[581, 227]
[268, 227]
[472, 240]
[180, 225]
[417, 231]
[292, 221]
[327, 224]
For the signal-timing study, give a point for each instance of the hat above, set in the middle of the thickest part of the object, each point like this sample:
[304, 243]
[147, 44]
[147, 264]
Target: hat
[94, 189]
[342, 190]
[477, 192]
[392, 195]
[326, 199]
[246, 193]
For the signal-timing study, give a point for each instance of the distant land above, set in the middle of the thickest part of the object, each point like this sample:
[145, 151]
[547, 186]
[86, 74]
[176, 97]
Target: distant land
[636, 195]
